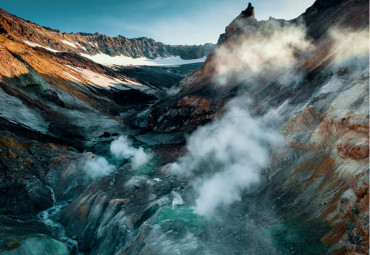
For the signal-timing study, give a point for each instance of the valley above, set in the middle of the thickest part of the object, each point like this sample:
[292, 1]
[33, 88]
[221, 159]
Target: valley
[256, 145]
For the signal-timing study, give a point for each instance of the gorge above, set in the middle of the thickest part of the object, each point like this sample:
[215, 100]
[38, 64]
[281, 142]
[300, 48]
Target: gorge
[256, 145]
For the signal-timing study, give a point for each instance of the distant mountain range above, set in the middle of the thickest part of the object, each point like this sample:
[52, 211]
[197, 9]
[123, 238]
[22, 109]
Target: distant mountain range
[66, 96]
[92, 44]
[48, 69]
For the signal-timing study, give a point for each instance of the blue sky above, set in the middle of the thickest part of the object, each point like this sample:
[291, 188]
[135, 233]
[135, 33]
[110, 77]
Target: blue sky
[168, 21]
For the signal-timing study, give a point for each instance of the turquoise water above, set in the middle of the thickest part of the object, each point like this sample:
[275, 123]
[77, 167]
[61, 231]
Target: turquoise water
[145, 170]
[150, 167]
[183, 213]
[293, 236]
[299, 237]
[38, 245]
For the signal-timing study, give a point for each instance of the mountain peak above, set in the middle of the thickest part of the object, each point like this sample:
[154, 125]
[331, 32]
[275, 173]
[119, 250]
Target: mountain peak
[249, 12]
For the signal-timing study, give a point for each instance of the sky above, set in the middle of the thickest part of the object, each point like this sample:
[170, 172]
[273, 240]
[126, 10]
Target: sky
[169, 21]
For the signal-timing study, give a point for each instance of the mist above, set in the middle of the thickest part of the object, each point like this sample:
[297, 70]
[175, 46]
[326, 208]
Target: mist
[268, 50]
[96, 167]
[122, 148]
[226, 158]
[229, 154]
[343, 47]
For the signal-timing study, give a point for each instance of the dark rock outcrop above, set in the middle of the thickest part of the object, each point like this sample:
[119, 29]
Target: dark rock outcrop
[315, 190]
[249, 12]
[28, 171]
[328, 154]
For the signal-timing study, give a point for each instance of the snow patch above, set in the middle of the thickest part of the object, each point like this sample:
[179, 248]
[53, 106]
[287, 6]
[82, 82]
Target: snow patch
[32, 44]
[82, 47]
[107, 60]
[69, 43]
[93, 45]
[71, 77]
[100, 79]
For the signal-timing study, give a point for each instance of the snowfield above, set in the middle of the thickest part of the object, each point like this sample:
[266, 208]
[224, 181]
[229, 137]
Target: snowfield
[107, 60]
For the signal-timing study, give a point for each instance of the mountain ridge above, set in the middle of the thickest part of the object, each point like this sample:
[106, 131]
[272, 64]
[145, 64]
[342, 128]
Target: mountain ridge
[301, 85]
[96, 43]
[316, 174]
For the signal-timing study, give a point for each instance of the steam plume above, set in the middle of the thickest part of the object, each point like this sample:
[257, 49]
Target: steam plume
[122, 148]
[268, 49]
[96, 167]
[235, 149]
[227, 156]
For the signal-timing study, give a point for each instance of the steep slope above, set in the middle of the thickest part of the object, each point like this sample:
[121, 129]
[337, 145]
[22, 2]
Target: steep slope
[47, 70]
[320, 104]
[92, 44]
[49, 85]
[280, 110]
[53, 105]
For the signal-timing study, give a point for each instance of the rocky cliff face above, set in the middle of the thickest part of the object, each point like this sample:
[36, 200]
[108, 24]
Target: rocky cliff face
[44, 69]
[93, 44]
[56, 104]
[323, 173]
[301, 86]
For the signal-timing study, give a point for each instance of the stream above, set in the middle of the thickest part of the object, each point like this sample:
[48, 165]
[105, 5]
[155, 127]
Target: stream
[157, 217]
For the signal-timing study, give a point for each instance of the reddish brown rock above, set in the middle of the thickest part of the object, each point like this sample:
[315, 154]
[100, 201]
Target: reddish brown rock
[356, 152]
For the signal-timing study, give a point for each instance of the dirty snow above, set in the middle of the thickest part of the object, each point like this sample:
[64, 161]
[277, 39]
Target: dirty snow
[100, 79]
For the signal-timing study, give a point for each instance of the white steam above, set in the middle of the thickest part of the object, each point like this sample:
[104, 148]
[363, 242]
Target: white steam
[227, 156]
[122, 148]
[235, 149]
[349, 43]
[270, 49]
[96, 167]
[177, 199]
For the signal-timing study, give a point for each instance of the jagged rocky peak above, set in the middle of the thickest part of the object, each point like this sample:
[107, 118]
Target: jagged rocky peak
[249, 12]
[295, 92]
[245, 18]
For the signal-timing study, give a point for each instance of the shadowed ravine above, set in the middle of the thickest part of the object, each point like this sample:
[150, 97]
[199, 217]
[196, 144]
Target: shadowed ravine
[134, 211]
[261, 149]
